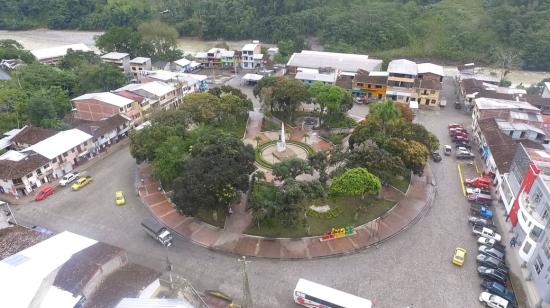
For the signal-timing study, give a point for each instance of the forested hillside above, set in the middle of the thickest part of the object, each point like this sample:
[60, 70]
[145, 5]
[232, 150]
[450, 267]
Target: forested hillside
[469, 30]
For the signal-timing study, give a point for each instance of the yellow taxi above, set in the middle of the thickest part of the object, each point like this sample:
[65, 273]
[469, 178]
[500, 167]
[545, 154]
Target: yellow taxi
[459, 256]
[81, 182]
[119, 198]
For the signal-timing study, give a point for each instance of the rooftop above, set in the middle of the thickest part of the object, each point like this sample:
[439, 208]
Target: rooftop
[491, 103]
[106, 97]
[182, 62]
[16, 238]
[31, 135]
[59, 143]
[59, 51]
[140, 60]
[249, 47]
[428, 84]
[156, 88]
[329, 77]
[430, 68]
[341, 61]
[101, 127]
[115, 56]
[14, 165]
[403, 66]
[372, 78]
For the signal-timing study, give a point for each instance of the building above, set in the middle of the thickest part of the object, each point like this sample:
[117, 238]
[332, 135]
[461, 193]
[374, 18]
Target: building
[429, 71]
[161, 96]
[402, 75]
[69, 270]
[120, 59]
[65, 150]
[105, 132]
[96, 106]
[471, 89]
[372, 85]
[53, 55]
[185, 82]
[182, 65]
[540, 102]
[325, 75]
[6, 140]
[468, 71]
[139, 64]
[428, 92]
[21, 173]
[546, 90]
[342, 62]
[29, 136]
[249, 53]
[228, 59]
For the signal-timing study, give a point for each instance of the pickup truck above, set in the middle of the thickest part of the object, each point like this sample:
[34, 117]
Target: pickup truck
[81, 182]
[479, 182]
[480, 198]
[157, 231]
[486, 232]
[481, 211]
[68, 178]
[475, 190]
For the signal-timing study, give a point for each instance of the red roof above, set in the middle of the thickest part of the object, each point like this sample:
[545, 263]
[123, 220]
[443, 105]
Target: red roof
[130, 95]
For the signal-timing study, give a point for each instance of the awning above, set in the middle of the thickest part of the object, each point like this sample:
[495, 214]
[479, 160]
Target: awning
[252, 77]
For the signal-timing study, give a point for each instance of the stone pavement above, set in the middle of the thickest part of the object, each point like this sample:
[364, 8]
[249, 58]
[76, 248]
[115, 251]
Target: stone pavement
[410, 208]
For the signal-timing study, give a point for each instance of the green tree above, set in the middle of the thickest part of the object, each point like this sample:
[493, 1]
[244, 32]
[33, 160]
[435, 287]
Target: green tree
[413, 154]
[169, 159]
[218, 169]
[202, 108]
[331, 98]
[386, 112]
[162, 38]
[41, 110]
[76, 59]
[144, 143]
[378, 161]
[99, 78]
[11, 49]
[355, 182]
[281, 94]
[121, 39]
[291, 168]
[320, 161]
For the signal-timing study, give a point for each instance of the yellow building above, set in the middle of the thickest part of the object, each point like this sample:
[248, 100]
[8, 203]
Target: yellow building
[428, 93]
[371, 85]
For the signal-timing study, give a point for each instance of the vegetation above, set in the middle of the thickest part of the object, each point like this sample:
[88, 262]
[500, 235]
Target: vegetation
[333, 100]
[355, 182]
[469, 30]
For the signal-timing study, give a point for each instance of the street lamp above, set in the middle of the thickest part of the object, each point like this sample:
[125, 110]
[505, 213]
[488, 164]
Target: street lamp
[247, 299]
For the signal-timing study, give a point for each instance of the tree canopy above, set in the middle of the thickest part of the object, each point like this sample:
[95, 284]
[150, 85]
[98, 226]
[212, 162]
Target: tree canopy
[355, 182]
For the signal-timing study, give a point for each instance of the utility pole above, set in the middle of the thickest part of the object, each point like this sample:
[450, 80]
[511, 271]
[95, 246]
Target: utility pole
[247, 298]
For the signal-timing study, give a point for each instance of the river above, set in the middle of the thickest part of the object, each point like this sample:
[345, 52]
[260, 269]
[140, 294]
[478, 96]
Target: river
[43, 38]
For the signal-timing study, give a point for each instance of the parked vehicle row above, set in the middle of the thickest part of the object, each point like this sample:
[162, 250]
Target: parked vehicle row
[79, 182]
[461, 138]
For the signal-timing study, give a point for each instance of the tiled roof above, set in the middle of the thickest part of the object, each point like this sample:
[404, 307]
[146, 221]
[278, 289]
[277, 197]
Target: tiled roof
[10, 169]
[502, 146]
[98, 128]
[429, 84]
[367, 77]
[31, 135]
[344, 82]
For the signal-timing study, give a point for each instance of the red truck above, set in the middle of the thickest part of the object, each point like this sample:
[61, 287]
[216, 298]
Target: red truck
[479, 182]
[455, 125]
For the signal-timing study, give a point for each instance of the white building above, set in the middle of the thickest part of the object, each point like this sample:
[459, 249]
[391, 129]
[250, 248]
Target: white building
[309, 75]
[343, 62]
[21, 173]
[53, 55]
[139, 64]
[161, 95]
[182, 65]
[546, 90]
[249, 51]
[120, 59]
[64, 150]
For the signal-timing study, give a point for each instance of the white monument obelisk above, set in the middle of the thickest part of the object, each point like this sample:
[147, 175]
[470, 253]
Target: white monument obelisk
[281, 144]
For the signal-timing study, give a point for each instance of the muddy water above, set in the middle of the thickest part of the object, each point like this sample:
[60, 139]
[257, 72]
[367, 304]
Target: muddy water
[42, 38]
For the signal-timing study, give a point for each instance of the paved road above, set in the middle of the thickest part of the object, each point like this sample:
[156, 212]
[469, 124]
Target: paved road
[413, 268]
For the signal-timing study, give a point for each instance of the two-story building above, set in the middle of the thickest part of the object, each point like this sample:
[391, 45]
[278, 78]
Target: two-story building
[373, 85]
[228, 59]
[402, 75]
[428, 92]
[248, 52]
[182, 65]
[139, 64]
[430, 71]
[105, 132]
[21, 173]
[161, 95]
[120, 59]
[184, 82]
[64, 150]
[97, 106]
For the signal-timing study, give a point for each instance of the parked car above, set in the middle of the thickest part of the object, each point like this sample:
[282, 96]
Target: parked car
[479, 182]
[493, 301]
[459, 256]
[458, 105]
[448, 150]
[455, 125]
[476, 221]
[491, 274]
[436, 156]
[443, 103]
[480, 198]
[464, 155]
[465, 145]
[457, 139]
[81, 182]
[486, 232]
[488, 261]
[481, 211]
[475, 191]
[458, 133]
[44, 192]
[119, 198]
[68, 178]
[498, 289]
[491, 252]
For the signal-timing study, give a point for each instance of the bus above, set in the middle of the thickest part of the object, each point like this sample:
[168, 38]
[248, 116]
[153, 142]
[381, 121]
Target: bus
[314, 295]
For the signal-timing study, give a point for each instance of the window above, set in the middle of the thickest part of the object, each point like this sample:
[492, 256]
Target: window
[65, 154]
[537, 196]
[17, 181]
[546, 248]
[39, 171]
[526, 248]
[360, 84]
[535, 234]
[538, 264]
[432, 92]
[133, 68]
[121, 109]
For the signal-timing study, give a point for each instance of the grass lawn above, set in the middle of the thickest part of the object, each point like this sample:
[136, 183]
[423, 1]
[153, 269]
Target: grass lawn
[206, 215]
[401, 182]
[316, 226]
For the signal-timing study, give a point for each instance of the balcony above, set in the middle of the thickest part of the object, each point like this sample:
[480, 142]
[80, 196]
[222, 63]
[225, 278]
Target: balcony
[532, 217]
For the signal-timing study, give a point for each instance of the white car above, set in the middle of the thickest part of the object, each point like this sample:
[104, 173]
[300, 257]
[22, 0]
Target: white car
[68, 178]
[493, 301]
[490, 242]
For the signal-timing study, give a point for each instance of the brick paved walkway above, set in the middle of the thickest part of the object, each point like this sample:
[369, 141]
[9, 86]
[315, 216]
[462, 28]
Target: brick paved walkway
[410, 209]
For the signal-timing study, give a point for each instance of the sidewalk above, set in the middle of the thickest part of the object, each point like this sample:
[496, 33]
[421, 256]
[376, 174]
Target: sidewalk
[80, 168]
[411, 207]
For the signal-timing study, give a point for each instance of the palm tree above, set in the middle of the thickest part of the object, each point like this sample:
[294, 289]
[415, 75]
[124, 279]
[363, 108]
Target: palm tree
[257, 139]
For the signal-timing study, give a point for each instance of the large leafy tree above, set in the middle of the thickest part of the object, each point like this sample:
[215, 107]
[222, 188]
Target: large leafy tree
[99, 78]
[202, 108]
[122, 39]
[291, 168]
[332, 99]
[281, 94]
[218, 169]
[11, 49]
[144, 143]
[378, 161]
[387, 112]
[355, 182]
[161, 38]
[413, 154]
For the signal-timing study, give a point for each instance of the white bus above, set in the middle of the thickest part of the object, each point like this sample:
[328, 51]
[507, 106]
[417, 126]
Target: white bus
[314, 295]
